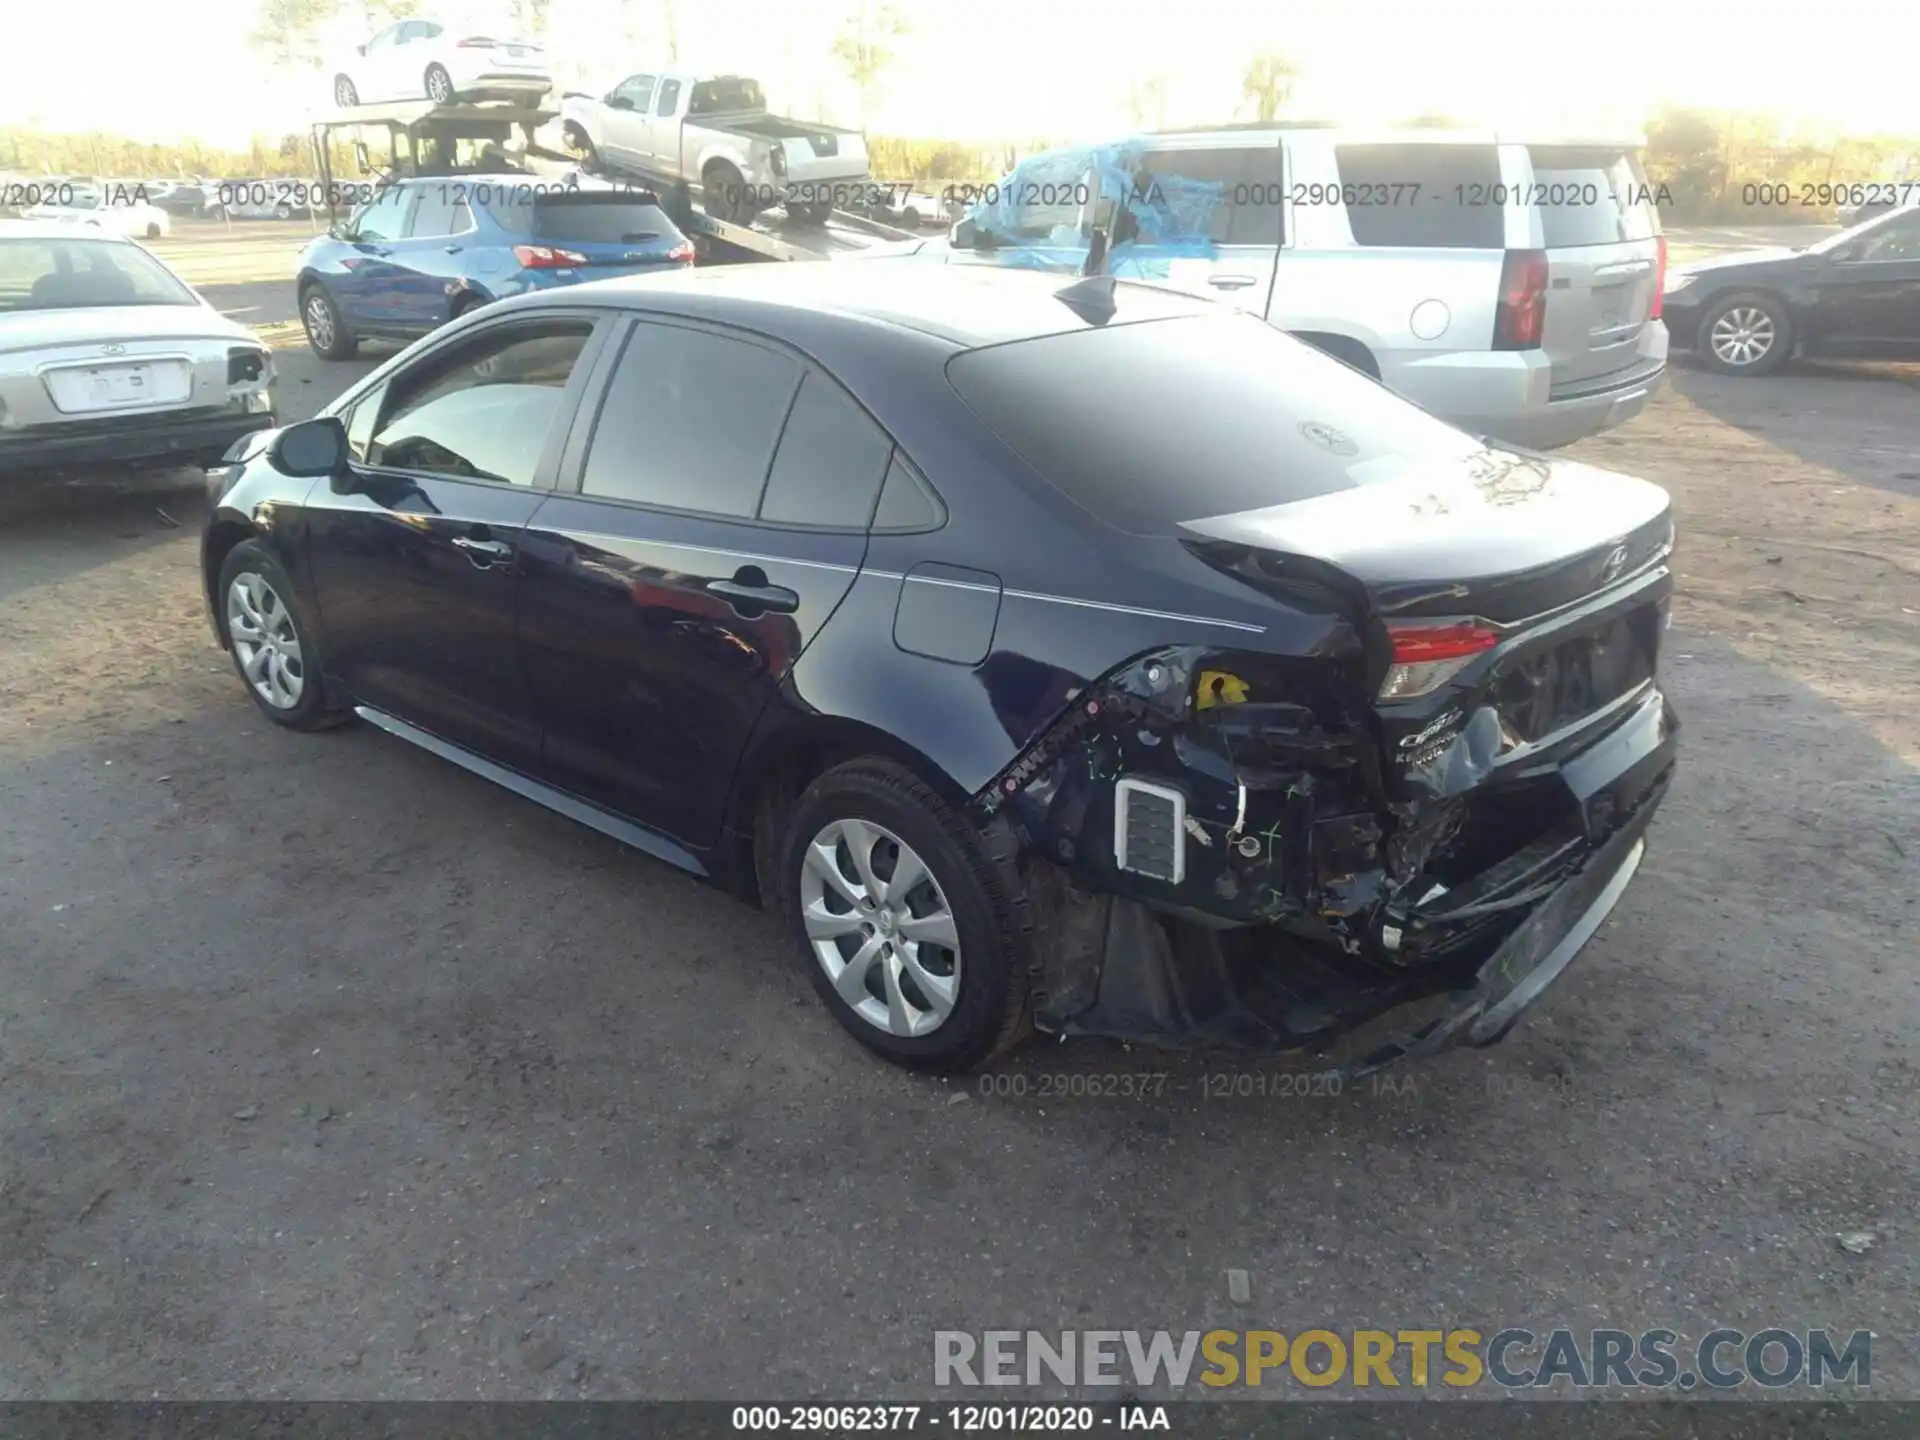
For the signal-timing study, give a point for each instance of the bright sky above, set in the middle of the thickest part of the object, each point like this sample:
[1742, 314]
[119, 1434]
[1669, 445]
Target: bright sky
[1017, 69]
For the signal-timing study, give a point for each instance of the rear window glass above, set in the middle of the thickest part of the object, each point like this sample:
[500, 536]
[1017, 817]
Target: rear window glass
[58, 274]
[731, 92]
[1590, 197]
[584, 219]
[1148, 425]
[1423, 196]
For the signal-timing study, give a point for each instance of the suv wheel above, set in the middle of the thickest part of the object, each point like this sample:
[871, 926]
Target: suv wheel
[326, 332]
[1746, 335]
[913, 924]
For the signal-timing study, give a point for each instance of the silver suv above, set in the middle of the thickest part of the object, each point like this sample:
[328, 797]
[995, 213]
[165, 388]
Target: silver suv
[1512, 289]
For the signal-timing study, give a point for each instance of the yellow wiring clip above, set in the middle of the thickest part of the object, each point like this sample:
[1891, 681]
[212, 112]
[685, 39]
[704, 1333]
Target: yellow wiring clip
[1218, 687]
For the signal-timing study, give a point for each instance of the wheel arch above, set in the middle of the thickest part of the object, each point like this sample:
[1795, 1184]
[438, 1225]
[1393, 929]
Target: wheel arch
[225, 531]
[778, 766]
[1353, 351]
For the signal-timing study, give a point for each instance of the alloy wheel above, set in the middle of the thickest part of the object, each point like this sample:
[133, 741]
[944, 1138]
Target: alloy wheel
[344, 93]
[319, 321]
[880, 927]
[264, 640]
[1743, 336]
[439, 86]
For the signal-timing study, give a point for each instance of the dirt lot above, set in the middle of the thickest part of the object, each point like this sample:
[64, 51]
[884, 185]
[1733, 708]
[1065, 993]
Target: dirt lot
[329, 1070]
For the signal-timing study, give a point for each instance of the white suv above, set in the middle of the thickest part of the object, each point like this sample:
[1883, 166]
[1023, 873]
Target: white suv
[1510, 288]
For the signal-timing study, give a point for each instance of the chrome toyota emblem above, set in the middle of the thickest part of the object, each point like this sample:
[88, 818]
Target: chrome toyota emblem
[1328, 438]
[1616, 562]
[115, 349]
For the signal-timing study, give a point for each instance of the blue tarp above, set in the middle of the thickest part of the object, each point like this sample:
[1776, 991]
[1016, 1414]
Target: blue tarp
[1042, 212]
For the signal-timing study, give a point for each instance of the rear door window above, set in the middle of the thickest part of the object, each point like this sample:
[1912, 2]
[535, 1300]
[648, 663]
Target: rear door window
[690, 421]
[831, 459]
[441, 211]
[1234, 197]
[1590, 197]
[1423, 196]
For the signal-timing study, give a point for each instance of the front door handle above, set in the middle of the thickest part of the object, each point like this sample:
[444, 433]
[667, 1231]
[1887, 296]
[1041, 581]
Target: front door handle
[1231, 282]
[451, 249]
[751, 593]
[483, 553]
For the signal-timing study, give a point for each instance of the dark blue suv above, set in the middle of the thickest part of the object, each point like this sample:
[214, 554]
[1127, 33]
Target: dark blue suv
[425, 250]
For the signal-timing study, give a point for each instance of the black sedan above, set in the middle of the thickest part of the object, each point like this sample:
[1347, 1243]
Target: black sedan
[1082, 657]
[1853, 295]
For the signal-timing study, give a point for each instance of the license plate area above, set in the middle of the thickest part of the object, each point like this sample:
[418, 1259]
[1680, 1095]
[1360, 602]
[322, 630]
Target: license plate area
[120, 385]
[1540, 693]
[1612, 308]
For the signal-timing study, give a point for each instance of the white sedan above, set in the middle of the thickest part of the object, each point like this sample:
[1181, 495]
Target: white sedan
[108, 358]
[117, 212]
[425, 60]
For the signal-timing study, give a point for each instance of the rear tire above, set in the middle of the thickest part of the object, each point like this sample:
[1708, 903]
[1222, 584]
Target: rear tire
[326, 328]
[273, 648]
[903, 993]
[723, 193]
[1745, 334]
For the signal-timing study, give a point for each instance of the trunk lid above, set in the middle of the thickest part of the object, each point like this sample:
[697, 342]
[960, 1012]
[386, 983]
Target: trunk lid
[1542, 581]
[1600, 232]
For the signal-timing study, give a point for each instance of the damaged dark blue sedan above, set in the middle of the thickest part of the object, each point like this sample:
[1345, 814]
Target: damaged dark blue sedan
[1063, 655]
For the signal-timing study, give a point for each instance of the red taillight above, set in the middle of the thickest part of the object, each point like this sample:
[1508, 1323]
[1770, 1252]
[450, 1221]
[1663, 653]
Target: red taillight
[1420, 644]
[1425, 657]
[683, 253]
[1659, 281]
[476, 42]
[545, 257]
[1522, 313]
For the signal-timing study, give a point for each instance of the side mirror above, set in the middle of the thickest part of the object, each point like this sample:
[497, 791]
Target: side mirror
[311, 450]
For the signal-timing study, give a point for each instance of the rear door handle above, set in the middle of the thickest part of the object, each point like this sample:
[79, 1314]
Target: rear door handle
[750, 593]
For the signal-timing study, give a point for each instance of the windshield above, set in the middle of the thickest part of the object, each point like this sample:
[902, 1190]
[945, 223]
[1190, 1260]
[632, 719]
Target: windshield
[61, 274]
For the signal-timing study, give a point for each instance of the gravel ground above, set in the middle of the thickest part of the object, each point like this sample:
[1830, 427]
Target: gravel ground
[328, 1070]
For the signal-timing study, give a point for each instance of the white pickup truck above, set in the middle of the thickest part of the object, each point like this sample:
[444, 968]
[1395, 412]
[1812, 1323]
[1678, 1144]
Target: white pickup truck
[714, 131]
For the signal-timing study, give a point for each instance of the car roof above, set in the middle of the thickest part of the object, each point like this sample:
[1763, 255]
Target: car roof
[54, 230]
[967, 306]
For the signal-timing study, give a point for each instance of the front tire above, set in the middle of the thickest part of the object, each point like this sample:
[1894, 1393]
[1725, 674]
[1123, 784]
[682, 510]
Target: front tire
[1745, 335]
[440, 85]
[913, 924]
[326, 330]
[272, 646]
[813, 213]
[345, 93]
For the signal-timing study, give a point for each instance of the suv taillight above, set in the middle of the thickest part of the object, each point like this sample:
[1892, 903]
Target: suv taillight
[1659, 281]
[683, 253]
[1522, 312]
[545, 257]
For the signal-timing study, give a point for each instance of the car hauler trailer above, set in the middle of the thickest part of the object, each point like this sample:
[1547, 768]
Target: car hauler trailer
[417, 137]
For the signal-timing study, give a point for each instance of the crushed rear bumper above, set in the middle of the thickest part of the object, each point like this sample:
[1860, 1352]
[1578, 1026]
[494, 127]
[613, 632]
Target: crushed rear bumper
[1116, 967]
